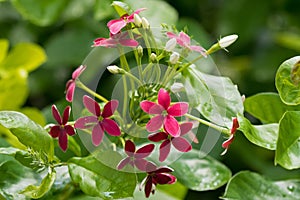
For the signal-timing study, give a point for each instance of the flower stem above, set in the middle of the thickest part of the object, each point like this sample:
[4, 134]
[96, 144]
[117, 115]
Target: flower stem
[88, 90]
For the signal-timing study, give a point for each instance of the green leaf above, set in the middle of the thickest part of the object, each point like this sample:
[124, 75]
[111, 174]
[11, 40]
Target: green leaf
[248, 185]
[288, 145]
[287, 81]
[267, 107]
[102, 9]
[28, 132]
[3, 49]
[41, 13]
[262, 135]
[120, 7]
[97, 179]
[25, 56]
[34, 114]
[288, 40]
[215, 97]
[35, 192]
[200, 172]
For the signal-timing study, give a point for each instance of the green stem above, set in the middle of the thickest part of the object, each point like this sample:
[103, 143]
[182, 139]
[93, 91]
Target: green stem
[88, 90]
[133, 77]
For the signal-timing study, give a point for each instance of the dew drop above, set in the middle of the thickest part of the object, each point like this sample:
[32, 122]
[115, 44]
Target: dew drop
[291, 188]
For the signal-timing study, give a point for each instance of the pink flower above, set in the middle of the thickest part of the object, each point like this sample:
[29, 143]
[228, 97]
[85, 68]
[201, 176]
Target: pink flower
[100, 121]
[71, 84]
[136, 157]
[156, 175]
[116, 25]
[114, 40]
[165, 113]
[62, 129]
[226, 143]
[180, 143]
[184, 40]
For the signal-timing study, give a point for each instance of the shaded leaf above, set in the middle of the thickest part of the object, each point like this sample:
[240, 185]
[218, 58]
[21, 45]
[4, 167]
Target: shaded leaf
[3, 49]
[102, 9]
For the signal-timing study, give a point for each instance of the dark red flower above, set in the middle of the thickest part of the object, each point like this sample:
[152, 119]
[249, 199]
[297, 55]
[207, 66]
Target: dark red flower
[100, 121]
[70, 86]
[62, 129]
[114, 40]
[226, 143]
[165, 113]
[180, 143]
[136, 158]
[156, 175]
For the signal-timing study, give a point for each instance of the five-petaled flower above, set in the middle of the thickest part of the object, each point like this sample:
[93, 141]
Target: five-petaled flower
[165, 113]
[184, 40]
[156, 175]
[100, 121]
[180, 143]
[136, 158]
[71, 84]
[114, 40]
[62, 129]
[116, 25]
[226, 143]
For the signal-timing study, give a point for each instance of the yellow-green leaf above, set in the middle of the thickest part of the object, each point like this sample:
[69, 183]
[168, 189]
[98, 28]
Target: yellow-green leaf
[3, 49]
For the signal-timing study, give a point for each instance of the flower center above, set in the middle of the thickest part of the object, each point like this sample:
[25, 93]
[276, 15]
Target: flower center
[164, 113]
[100, 118]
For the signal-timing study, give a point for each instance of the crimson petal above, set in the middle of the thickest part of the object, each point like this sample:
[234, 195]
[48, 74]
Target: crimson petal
[146, 105]
[69, 130]
[181, 144]
[164, 170]
[123, 162]
[148, 186]
[129, 147]
[185, 128]
[171, 126]
[164, 98]
[164, 150]
[155, 123]
[55, 131]
[110, 108]
[111, 127]
[163, 178]
[63, 140]
[66, 115]
[56, 115]
[156, 137]
[178, 109]
[144, 151]
[92, 105]
[97, 134]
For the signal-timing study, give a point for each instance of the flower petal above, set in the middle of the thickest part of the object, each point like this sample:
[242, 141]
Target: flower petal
[63, 140]
[129, 147]
[111, 127]
[171, 126]
[171, 35]
[156, 137]
[164, 170]
[178, 109]
[123, 162]
[129, 42]
[184, 38]
[56, 115]
[66, 115]
[144, 151]
[69, 130]
[109, 108]
[227, 142]
[141, 164]
[198, 49]
[70, 89]
[164, 98]
[92, 105]
[115, 26]
[163, 178]
[151, 107]
[235, 125]
[131, 16]
[155, 123]
[148, 186]
[185, 128]
[97, 134]
[181, 144]
[85, 122]
[78, 71]
[55, 131]
[164, 150]
[150, 167]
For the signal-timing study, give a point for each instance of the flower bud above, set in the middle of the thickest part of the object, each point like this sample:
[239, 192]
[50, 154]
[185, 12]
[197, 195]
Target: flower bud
[137, 20]
[153, 57]
[227, 40]
[145, 23]
[114, 69]
[140, 50]
[174, 58]
[171, 44]
[177, 87]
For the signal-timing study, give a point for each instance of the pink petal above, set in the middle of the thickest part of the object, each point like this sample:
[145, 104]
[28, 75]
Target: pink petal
[66, 115]
[98, 42]
[109, 42]
[178, 109]
[110, 108]
[148, 186]
[164, 98]
[55, 131]
[155, 123]
[92, 105]
[63, 140]
[184, 38]
[185, 128]
[129, 42]
[163, 178]
[172, 35]
[164, 150]
[123, 162]
[164, 170]
[69, 130]
[171, 126]
[70, 89]
[115, 26]
[144, 151]
[129, 147]
[181, 144]
[141, 164]
[130, 18]
[78, 71]
[85, 122]
[198, 49]
[111, 127]
[156, 137]
[151, 107]
[56, 114]
[97, 134]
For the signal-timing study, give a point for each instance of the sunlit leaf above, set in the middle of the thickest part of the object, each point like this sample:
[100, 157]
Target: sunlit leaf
[3, 49]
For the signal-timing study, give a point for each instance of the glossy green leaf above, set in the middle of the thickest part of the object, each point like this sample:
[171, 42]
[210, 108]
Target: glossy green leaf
[20, 155]
[120, 7]
[97, 179]
[41, 13]
[103, 9]
[200, 172]
[215, 97]
[3, 49]
[35, 192]
[288, 81]
[267, 107]
[10, 138]
[288, 144]
[262, 135]
[28, 132]
[25, 56]
[249, 185]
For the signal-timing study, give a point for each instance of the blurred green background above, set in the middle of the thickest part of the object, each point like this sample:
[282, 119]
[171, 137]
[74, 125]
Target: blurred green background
[269, 33]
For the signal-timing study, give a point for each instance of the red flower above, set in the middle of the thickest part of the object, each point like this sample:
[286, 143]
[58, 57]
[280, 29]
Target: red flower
[114, 40]
[165, 113]
[226, 143]
[62, 129]
[116, 25]
[184, 40]
[156, 175]
[136, 157]
[71, 84]
[100, 121]
[180, 143]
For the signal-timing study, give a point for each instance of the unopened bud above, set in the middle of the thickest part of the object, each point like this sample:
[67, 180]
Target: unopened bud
[145, 23]
[174, 58]
[140, 50]
[171, 44]
[153, 57]
[177, 87]
[137, 20]
[227, 40]
[114, 69]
